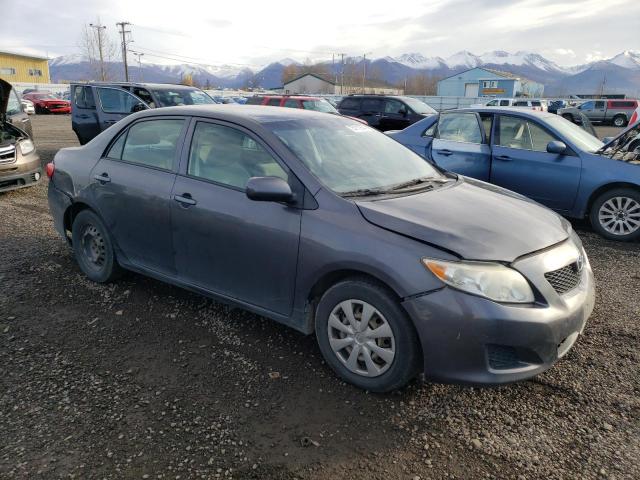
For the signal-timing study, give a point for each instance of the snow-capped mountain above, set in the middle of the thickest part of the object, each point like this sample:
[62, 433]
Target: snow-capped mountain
[627, 59]
[624, 70]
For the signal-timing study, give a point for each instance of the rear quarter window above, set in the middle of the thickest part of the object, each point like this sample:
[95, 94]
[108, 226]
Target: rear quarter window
[350, 104]
[626, 104]
[255, 101]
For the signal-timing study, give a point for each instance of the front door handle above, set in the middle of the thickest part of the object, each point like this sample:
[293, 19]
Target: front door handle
[83, 116]
[504, 158]
[185, 199]
[110, 122]
[444, 152]
[102, 178]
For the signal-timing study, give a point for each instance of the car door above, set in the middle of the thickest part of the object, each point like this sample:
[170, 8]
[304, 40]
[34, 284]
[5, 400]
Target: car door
[114, 104]
[599, 112]
[371, 111]
[521, 163]
[395, 115]
[225, 242]
[131, 187]
[459, 145]
[84, 118]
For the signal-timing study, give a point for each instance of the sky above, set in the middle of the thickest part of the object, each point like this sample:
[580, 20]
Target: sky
[569, 32]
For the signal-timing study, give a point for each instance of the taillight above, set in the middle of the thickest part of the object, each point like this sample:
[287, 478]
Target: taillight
[50, 169]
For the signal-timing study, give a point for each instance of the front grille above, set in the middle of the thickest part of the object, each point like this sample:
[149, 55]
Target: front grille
[7, 154]
[564, 279]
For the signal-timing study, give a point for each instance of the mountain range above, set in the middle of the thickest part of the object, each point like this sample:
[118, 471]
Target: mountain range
[619, 74]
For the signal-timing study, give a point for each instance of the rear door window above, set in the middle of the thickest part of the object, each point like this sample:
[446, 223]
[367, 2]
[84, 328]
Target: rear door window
[599, 105]
[292, 103]
[152, 143]
[274, 102]
[350, 104]
[459, 127]
[504, 103]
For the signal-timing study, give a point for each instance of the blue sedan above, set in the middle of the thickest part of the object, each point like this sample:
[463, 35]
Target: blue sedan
[541, 156]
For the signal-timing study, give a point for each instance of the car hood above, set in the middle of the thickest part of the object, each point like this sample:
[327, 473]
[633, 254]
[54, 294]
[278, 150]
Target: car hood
[472, 219]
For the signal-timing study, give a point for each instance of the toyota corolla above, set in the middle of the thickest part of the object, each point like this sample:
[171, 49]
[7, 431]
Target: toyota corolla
[329, 226]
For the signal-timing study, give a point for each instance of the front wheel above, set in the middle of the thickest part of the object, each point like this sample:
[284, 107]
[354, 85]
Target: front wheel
[93, 249]
[616, 214]
[366, 337]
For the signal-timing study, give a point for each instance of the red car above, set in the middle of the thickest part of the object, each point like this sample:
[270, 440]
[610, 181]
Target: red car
[45, 102]
[317, 104]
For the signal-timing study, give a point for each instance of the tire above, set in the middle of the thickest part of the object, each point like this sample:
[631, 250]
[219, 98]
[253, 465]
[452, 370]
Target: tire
[93, 248]
[619, 121]
[400, 356]
[616, 214]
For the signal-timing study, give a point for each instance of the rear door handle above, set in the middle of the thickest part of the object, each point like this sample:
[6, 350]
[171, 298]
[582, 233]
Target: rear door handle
[185, 199]
[504, 158]
[444, 152]
[102, 178]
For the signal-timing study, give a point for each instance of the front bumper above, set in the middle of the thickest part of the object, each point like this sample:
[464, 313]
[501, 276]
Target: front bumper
[473, 340]
[20, 174]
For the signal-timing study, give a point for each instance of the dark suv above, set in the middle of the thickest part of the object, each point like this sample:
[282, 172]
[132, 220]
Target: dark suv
[385, 112]
[97, 106]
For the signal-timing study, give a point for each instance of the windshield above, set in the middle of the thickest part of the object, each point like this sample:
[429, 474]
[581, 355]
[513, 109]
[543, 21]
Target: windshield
[579, 137]
[419, 106]
[318, 106]
[350, 157]
[182, 96]
[626, 147]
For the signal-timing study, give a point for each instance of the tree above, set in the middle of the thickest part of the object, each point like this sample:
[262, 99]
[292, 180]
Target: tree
[98, 50]
[289, 73]
[421, 84]
[187, 79]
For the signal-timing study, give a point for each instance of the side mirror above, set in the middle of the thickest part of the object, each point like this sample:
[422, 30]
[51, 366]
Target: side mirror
[138, 107]
[606, 140]
[404, 112]
[269, 189]
[557, 147]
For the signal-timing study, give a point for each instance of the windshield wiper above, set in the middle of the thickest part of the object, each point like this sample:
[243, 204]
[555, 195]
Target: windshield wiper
[364, 192]
[418, 181]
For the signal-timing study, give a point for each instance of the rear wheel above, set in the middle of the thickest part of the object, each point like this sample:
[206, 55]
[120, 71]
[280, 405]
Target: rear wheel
[619, 121]
[93, 249]
[616, 214]
[366, 337]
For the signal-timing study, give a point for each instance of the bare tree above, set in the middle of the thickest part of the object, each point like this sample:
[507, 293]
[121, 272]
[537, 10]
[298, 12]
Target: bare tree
[98, 50]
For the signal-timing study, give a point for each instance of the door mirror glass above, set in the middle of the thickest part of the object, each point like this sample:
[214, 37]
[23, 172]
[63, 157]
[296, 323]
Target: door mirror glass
[556, 147]
[269, 189]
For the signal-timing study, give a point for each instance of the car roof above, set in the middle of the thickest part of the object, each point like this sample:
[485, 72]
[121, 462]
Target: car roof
[137, 84]
[238, 113]
[510, 110]
[300, 97]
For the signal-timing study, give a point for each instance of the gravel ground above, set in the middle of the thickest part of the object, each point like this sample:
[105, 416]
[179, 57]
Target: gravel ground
[139, 379]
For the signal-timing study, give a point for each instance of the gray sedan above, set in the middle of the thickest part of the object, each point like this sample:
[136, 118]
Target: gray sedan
[329, 226]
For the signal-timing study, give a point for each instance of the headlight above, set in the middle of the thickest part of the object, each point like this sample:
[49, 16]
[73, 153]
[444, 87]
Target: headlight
[26, 146]
[491, 280]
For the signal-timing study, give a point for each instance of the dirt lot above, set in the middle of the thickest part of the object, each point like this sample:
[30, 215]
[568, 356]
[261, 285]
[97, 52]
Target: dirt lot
[139, 379]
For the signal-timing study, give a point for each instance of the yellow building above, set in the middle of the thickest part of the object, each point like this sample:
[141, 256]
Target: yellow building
[15, 67]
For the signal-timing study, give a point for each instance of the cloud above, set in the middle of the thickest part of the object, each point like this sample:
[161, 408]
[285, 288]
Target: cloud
[566, 52]
[594, 56]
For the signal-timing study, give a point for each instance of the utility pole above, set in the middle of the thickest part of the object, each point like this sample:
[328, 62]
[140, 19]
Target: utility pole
[139, 55]
[124, 32]
[342, 75]
[364, 71]
[99, 28]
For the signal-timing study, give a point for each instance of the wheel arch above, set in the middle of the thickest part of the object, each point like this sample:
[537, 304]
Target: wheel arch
[605, 188]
